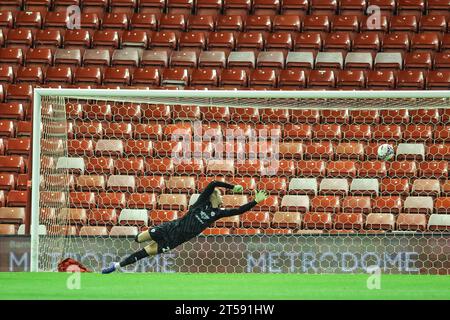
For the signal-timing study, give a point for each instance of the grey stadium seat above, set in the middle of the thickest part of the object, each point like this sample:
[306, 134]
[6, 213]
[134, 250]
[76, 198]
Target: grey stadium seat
[439, 222]
[411, 151]
[330, 60]
[418, 204]
[365, 187]
[71, 163]
[134, 215]
[42, 230]
[245, 59]
[334, 186]
[297, 203]
[303, 185]
[389, 60]
[300, 60]
[359, 60]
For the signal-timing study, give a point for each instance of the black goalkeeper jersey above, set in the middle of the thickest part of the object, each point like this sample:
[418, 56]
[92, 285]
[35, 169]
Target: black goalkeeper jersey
[199, 217]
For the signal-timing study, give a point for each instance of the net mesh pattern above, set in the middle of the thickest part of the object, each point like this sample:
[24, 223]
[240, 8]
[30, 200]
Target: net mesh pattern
[112, 167]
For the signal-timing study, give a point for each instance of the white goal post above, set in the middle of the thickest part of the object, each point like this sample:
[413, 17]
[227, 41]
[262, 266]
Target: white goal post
[45, 99]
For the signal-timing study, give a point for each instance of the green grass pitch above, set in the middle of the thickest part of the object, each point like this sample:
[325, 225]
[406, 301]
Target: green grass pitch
[202, 286]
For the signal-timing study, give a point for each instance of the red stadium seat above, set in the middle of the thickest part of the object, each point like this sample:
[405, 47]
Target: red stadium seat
[439, 152]
[434, 169]
[341, 169]
[402, 169]
[273, 185]
[426, 187]
[380, 221]
[130, 165]
[90, 20]
[99, 165]
[6, 19]
[7, 181]
[221, 40]
[230, 23]
[228, 222]
[112, 200]
[193, 40]
[19, 38]
[286, 220]
[77, 39]
[88, 75]
[411, 222]
[258, 23]
[8, 229]
[100, 217]
[309, 41]
[70, 57]
[175, 76]
[418, 60]
[159, 166]
[183, 184]
[317, 220]
[356, 205]
[141, 201]
[29, 75]
[19, 146]
[172, 201]
[406, 23]
[345, 23]
[146, 76]
[367, 42]
[176, 22]
[216, 231]
[201, 22]
[12, 164]
[91, 183]
[280, 41]
[62, 230]
[311, 167]
[93, 231]
[154, 184]
[12, 215]
[59, 75]
[105, 39]
[410, 79]
[348, 221]
[388, 204]
[255, 219]
[118, 21]
[13, 111]
[186, 59]
[82, 199]
[394, 186]
[73, 216]
[325, 204]
[438, 79]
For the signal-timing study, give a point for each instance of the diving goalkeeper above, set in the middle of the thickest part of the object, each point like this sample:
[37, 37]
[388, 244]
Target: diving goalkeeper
[206, 210]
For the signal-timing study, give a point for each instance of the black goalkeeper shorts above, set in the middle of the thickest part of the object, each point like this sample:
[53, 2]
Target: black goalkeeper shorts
[160, 234]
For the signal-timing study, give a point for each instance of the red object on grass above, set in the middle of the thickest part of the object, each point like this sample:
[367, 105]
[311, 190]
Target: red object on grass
[70, 264]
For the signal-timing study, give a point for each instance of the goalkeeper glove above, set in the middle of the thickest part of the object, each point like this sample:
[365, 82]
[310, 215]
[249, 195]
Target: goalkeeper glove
[260, 196]
[238, 188]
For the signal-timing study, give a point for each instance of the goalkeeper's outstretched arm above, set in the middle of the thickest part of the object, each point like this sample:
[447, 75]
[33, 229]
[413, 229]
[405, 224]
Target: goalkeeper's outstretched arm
[259, 196]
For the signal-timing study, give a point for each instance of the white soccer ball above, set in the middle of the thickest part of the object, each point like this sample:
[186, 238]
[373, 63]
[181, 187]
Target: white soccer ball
[386, 152]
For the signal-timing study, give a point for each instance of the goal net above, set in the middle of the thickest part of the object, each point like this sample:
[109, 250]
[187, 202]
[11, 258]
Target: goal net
[108, 164]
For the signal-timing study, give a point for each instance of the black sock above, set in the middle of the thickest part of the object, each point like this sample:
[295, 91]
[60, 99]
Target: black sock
[134, 258]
